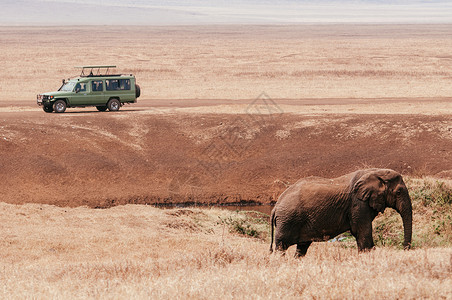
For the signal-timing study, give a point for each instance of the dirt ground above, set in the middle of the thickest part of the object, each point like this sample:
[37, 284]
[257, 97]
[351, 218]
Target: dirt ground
[227, 114]
[205, 152]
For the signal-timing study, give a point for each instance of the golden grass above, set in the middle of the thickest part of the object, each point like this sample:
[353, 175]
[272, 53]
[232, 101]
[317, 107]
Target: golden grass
[143, 252]
[236, 62]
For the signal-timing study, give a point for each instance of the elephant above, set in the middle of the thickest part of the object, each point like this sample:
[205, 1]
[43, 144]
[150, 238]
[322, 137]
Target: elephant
[318, 209]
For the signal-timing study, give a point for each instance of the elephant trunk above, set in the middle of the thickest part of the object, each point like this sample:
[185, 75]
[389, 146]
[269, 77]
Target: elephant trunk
[406, 212]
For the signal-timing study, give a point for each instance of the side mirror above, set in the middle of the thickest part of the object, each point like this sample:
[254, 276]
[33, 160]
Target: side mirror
[64, 81]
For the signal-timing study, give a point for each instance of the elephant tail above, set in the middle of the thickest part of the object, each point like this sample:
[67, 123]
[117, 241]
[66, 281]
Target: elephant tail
[272, 224]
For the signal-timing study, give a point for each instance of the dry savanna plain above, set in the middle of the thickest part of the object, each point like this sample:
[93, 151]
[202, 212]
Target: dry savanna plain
[228, 115]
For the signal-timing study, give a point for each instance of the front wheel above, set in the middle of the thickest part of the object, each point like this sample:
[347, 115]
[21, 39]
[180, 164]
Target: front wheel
[113, 105]
[59, 106]
[101, 108]
[47, 109]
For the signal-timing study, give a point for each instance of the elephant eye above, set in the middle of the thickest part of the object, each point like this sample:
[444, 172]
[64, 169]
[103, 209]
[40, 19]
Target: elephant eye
[399, 191]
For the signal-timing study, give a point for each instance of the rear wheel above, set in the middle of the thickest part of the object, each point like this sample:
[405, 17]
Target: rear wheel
[137, 91]
[113, 105]
[59, 106]
[101, 108]
[47, 109]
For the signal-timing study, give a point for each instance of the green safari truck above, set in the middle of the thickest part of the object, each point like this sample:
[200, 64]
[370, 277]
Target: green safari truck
[94, 87]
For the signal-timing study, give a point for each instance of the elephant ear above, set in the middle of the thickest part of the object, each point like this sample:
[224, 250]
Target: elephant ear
[371, 188]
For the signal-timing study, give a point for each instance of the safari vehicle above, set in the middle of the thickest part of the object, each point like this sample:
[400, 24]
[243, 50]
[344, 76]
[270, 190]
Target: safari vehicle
[99, 89]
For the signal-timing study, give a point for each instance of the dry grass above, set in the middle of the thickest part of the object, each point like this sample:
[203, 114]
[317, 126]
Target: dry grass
[142, 252]
[236, 62]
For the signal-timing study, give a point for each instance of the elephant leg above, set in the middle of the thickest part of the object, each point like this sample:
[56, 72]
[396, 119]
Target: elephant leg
[302, 248]
[281, 247]
[361, 226]
[363, 235]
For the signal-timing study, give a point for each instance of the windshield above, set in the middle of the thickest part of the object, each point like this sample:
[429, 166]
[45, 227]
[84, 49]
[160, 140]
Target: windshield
[68, 87]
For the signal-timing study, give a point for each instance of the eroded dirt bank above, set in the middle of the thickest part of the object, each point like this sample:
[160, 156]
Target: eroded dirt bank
[105, 159]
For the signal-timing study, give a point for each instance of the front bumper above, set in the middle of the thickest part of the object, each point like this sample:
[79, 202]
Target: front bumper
[43, 99]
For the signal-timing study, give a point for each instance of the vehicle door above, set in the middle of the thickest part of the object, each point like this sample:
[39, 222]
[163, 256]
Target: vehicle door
[97, 95]
[79, 94]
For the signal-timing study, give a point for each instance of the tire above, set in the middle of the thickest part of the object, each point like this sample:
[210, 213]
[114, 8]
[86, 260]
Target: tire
[113, 105]
[137, 91]
[47, 109]
[59, 106]
[101, 108]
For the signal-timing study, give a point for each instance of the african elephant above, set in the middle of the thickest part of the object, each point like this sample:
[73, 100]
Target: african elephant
[317, 209]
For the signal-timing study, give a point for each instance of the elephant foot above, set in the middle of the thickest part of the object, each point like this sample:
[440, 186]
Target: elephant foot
[302, 249]
[281, 248]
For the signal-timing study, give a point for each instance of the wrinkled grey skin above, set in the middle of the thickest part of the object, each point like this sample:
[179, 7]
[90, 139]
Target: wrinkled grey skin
[318, 209]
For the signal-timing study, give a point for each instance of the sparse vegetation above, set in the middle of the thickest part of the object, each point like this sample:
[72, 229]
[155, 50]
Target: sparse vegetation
[432, 202]
[431, 192]
[132, 252]
[252, 224]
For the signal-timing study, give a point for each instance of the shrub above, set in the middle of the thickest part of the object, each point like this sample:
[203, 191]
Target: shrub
[251, 224]
[431, 193]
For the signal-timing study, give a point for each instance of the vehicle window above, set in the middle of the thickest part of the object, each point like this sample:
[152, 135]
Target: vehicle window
[67, 87]
[112, 84]
[117, 84]
[97, 86]
[124, 84]
[80, 87]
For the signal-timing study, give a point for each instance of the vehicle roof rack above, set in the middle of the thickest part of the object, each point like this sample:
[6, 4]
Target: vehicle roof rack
[92, 68]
